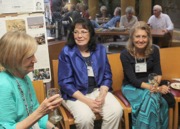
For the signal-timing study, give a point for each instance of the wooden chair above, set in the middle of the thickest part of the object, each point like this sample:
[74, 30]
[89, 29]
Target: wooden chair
[40, 90]
[170, 65]
[117, 72]
[67, 116]
[54, 50]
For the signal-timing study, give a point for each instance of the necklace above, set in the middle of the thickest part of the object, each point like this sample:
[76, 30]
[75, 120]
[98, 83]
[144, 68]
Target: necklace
[87, 61]
[28, 109]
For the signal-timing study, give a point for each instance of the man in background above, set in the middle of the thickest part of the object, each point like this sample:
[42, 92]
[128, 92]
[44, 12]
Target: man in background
[162, 21]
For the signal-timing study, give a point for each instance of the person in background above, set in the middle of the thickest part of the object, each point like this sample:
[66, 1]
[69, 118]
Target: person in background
[139, 59]
[103, 13]
[162, 21]
[127, 21]
[84, 11]
[70, 17]
[112, 22]
[48, 17]
[58, 11]
[85, 78]
[19, 106]
[75, 14]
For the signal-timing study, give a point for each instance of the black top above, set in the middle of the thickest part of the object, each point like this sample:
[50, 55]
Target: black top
[91, 80]
[128, 63]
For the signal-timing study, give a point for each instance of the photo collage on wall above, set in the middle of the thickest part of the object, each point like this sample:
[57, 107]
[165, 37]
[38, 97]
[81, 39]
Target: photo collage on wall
[33, 25]
[17, 15]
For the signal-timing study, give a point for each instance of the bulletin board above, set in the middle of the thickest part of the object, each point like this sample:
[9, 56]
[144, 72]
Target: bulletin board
[34, 25]
[21, 6]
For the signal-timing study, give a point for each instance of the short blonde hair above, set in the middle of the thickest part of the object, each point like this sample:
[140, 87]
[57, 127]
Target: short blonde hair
[14, 47]
[142, 26]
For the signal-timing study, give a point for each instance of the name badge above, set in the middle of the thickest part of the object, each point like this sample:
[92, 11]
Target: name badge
[35, 126]
[140, 67]
[90, 71]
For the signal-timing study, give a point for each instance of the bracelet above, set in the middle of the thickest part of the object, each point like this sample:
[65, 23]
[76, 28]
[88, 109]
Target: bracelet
[53, 127]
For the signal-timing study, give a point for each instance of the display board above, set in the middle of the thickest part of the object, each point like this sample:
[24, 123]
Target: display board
[34, 25]
[21, 6]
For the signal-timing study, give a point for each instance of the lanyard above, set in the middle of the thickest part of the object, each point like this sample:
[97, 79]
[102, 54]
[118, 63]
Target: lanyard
[140, 67]
[89, 66]
[29, 111]
[87, 61]
[142, 62]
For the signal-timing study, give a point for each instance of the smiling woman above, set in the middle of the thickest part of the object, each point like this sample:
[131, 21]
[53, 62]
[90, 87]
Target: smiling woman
[139, 59]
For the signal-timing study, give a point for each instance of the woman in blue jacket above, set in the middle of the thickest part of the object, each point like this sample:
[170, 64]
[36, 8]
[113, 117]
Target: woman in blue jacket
[85, 79]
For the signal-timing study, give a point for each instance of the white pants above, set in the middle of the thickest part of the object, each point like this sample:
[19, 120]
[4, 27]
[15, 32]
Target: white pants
[84, 117]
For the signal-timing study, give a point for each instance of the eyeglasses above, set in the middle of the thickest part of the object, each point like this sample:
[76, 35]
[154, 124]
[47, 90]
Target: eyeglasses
[83, 33]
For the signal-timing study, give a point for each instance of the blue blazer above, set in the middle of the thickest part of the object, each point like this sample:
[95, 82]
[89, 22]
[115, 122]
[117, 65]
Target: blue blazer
[72, 71]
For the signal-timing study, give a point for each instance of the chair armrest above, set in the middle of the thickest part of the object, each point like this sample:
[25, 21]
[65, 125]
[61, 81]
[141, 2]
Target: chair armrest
[65, 113]
[176, 93]
[119, 95]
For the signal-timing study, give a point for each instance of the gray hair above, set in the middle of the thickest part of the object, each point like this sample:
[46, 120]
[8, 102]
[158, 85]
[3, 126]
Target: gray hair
[129, 9]
[158, 7]
[103, 8]
[117, 11]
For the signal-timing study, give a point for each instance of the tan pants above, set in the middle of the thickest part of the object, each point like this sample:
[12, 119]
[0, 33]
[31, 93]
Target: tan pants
[112, 112]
